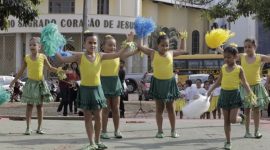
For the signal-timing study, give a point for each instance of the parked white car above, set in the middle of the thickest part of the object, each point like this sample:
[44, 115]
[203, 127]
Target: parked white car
[6, 80]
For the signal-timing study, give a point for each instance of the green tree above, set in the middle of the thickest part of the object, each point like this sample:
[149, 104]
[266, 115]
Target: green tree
[233, 9]
[24, 10]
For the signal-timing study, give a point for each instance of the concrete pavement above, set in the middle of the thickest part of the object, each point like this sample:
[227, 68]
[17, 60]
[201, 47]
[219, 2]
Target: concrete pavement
[70, 135]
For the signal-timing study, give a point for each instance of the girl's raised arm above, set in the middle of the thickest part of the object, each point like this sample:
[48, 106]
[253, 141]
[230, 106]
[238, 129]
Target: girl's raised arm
[145, 50]
[181, 50]
[74, 58]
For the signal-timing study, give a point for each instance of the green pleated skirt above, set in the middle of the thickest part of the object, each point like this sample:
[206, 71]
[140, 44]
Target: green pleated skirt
[111, 86]
[229, 99]
[36, 92]
[91, 98]
[164, 90]
[261, 93]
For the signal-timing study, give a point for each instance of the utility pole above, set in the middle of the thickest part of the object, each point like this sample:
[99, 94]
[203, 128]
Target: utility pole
[85, 18]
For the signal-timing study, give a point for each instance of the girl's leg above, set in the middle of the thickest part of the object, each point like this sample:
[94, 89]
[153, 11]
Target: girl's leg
[181, 114]
[256, 115]
[171, 114]
[98, 118]
[227, 124]
[89, 126]
[208, 114]
[40, 118]
[219, 113]
[105, 115]
[116, 116]
[234, 118]
[159, 111]
[247, 113]
[214, 113]
[29, 109]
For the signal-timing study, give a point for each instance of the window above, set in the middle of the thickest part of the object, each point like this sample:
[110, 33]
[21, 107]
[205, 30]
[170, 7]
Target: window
[195, 64]
[211, 64]
[103, 7]
[195, 42]
[62, 6]
[180, 64]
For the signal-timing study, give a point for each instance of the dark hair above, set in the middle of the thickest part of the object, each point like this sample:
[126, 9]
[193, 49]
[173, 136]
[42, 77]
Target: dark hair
[107, 37]
[76, 69]
[87, 34]
[199, 80]
[122, 61]
[252, 41]
[231, 50]
[211, 75]
[162, 37]
[206, 82]
[189, 82]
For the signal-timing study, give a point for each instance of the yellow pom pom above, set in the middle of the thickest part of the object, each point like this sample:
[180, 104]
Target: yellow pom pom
[162, 33]
[217, 37]
[183, 35]
[61, 74]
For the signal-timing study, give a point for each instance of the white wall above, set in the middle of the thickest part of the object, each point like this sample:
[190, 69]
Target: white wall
[243, 28]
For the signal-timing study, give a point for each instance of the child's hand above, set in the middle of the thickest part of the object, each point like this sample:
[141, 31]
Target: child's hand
[183, 35]
[208, 94]
[130, 37]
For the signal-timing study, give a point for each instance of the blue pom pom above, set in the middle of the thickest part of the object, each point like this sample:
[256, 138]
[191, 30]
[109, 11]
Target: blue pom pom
[4, 96]
[144, 26]
[62, 53]
[51, 39]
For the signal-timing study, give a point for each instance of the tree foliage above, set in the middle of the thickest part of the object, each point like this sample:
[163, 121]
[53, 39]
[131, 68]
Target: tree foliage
[24, 10]
[233, 9]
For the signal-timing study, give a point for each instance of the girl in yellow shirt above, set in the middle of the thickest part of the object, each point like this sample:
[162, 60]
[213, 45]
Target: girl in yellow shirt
[230, 100]
[111, 85]
[163, 87]
[35, 90]
[251, 63]
[91, 97]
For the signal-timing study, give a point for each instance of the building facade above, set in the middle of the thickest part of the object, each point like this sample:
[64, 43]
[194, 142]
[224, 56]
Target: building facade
[114, 17]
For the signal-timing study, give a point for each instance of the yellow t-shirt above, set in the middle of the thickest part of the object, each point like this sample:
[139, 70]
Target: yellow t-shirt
[90, 71]
[110, 67]
[252, 71]
[163, 66]
[230, 80]
[35, 67]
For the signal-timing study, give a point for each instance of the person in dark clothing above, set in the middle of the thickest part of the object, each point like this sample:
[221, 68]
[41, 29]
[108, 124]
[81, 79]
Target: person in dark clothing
[122, 74]
[64, 94]
[73, 76]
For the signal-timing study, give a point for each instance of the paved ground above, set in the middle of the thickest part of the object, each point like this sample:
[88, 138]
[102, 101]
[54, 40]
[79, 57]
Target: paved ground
[70, 135]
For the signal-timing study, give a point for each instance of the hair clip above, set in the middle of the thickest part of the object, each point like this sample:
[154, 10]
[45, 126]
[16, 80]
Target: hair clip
[162, 33]
[87, 31]
[233, 45]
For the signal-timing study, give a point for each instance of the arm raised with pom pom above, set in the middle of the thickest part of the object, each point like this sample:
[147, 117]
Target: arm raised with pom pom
[181, 48]
[145, 50]
[129, 42]
[74, 58]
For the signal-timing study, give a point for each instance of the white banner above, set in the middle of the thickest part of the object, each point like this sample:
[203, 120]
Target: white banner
[69, 23]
